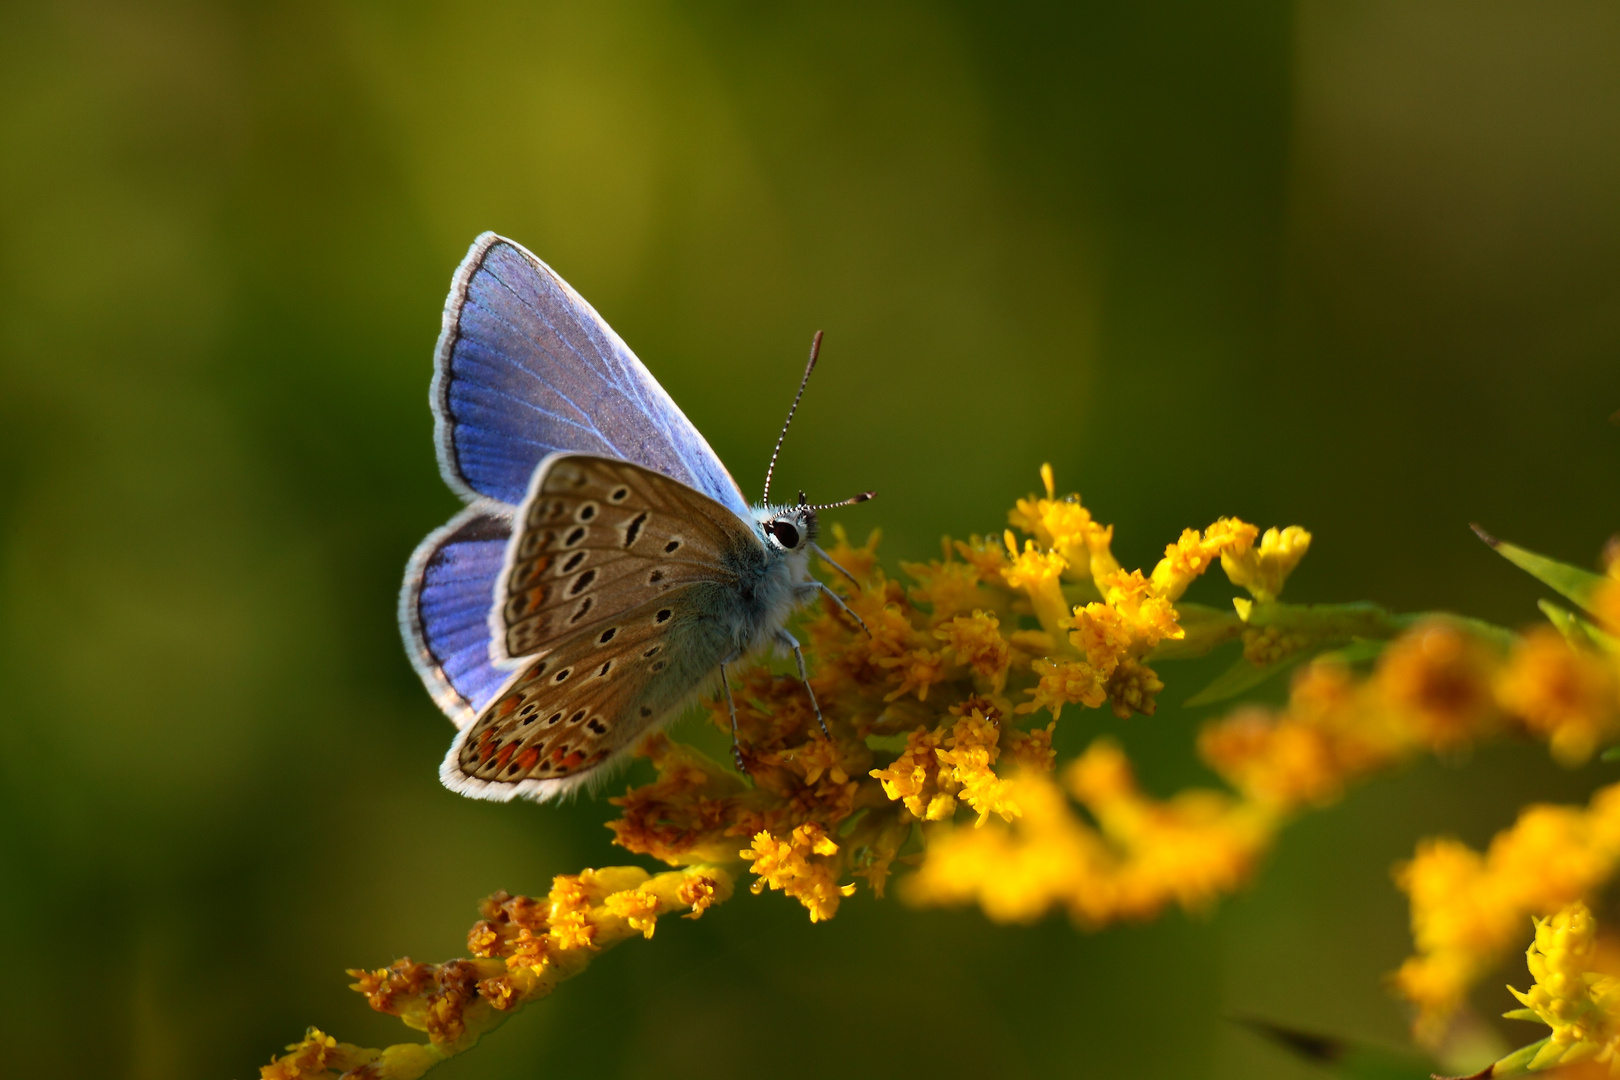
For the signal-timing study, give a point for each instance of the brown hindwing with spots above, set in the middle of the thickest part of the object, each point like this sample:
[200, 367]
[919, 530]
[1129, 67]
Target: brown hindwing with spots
[597, 536]
[571, 710]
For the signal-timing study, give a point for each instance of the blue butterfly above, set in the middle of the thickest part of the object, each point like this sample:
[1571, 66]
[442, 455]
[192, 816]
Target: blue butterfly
[606, 567]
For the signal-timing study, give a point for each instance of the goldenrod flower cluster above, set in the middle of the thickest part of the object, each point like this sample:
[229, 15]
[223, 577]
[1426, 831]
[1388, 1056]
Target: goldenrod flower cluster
[521, 949]
[942, 709]
[1576, 993]
[1468, 907]
[932, 715]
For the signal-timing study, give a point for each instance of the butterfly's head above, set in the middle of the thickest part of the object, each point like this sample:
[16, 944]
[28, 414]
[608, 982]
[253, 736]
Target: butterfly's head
[794, 528]
[790, 528]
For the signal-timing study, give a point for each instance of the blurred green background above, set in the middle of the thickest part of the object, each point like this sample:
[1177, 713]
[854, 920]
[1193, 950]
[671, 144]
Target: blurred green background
[1354, 266]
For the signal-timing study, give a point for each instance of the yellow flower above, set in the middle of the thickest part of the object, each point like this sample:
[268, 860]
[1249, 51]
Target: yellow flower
[1102, 633]
[638, 908]
[1065, 682]
[1037, 573]
[457, 1002]
[988, 556]
[859, 561]
[314, 1056]
[1016, 875]
[949, 587]
[1264, 568]
[1441, 678]
[1564, 694]
[976, 641]
[971, 750]
[913, 777]
[1572, 994]
[1192, 554]
[1466, 907]
[919, 669]
[801, 867]
[1275, 761]
[1145, 611]
[1032, 750]
[571, 924]
[1067, 528]
[1145, 855]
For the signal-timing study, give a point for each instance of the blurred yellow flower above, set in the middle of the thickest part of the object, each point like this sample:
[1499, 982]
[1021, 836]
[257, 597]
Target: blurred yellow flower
[1569, 696]
[1467, 907]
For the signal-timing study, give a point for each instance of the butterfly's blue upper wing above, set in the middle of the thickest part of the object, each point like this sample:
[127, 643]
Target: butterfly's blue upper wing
[444, 608]
[526, 367]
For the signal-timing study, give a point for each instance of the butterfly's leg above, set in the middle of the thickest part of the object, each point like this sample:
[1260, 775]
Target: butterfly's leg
[822, 554]
[811, 588]
[731, 707]
[785, 638]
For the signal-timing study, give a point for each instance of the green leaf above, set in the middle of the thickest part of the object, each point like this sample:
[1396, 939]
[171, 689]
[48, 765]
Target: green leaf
[1243, 676]
[1576, 630]
[1611, 754]
[1570, 582]
[1566, 622]
[1348, 1059]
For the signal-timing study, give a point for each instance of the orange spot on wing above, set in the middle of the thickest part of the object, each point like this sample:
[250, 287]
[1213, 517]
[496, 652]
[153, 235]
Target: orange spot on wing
[527, 759]
[573, 760]
[505, 755]
[506, 706]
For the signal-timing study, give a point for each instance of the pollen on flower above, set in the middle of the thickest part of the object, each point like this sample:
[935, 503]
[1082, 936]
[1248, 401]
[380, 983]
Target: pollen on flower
[859, 561]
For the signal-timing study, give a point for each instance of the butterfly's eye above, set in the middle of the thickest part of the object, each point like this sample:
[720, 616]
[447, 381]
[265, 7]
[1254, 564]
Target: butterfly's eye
[786, 534]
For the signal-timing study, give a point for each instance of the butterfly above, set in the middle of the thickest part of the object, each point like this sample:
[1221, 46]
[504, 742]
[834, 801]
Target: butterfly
[606, 568]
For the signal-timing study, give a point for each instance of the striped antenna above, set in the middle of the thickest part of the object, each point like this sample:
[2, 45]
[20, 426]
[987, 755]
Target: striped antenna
[815, 350]
[851, 501]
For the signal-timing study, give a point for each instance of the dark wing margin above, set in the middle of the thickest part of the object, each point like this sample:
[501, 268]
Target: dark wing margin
[525, 367]
[444, 608]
